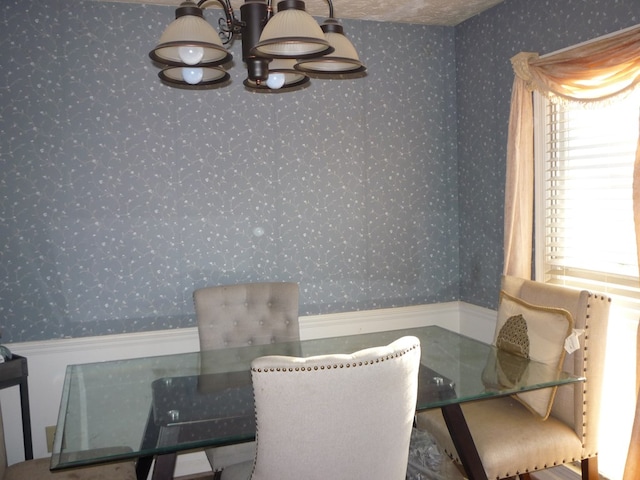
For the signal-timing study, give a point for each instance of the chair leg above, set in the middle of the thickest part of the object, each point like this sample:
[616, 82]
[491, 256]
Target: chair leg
[590, 468]
[525, 476]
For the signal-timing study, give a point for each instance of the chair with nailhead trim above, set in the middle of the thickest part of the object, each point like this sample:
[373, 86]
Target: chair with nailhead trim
[509, 438]
[246, 314]
[341, 416]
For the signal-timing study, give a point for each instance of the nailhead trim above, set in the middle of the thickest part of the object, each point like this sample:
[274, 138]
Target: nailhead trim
[314, 368]
[323, 367]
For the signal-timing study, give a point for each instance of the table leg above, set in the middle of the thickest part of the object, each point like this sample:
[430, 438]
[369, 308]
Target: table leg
[143, 466]
[164, 467]
[166, 464]
[462, 440]
[162, 470]
[149, 441]
[26, 419]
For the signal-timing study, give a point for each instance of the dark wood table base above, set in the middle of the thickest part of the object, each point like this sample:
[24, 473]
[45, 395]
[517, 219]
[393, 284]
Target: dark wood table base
[463, 441]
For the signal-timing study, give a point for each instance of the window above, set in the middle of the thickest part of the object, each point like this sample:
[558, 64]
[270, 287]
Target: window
[585, 234]
[585, 230]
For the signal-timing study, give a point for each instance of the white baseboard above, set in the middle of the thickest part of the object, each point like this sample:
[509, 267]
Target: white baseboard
[48, 360]
[477, 322]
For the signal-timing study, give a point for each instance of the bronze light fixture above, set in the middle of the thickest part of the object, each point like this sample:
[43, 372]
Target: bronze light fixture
[280, 51]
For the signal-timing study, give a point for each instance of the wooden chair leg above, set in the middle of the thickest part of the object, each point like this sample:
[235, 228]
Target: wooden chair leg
[525, 476]
[590, 468]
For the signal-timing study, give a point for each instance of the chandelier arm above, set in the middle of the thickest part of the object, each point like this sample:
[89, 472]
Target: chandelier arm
[233, 25]
[330, 8]
[269, 10]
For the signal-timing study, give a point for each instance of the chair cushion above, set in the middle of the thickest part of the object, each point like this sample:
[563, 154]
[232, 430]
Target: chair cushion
[508, 437]
[536, 332]
[39, 470]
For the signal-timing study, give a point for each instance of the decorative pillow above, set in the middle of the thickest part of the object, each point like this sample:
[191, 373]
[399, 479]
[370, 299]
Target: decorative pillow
[535, 332]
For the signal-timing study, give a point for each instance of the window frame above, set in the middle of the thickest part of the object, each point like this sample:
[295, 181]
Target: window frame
[631, 301]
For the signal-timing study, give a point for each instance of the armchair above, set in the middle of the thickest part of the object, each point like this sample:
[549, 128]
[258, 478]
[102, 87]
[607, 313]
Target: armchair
[510, 439]
[334, 416]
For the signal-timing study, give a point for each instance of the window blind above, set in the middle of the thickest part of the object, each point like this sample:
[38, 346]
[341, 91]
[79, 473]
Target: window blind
[585, 235]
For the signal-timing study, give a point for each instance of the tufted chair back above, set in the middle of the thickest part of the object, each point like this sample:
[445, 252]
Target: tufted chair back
[334, 416]
[510, 439]
[238, 315]
[246, 314]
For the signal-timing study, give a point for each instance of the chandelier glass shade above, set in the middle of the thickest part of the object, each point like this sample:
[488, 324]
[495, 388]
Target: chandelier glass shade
[194, 76]
[279, 51]
[292, 33]
[282, 76]
[190, 40]
[344, 58]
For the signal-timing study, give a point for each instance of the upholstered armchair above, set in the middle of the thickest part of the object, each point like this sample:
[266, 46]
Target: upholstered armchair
[334, 416]
[513, 435]
[245, 314]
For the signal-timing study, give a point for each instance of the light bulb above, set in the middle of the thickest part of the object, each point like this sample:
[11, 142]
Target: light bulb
[275, 80]
[192, 75]
[190, 54]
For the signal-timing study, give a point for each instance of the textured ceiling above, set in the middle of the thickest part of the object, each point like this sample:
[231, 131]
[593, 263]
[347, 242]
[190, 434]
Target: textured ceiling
[427, 12]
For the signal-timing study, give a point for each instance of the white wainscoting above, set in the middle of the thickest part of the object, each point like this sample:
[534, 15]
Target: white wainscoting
[49, 359]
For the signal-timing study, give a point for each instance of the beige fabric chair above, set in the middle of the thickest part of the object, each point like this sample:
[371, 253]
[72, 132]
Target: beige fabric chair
[334, 416]
[38, 469]
[246, 314]
[511, 440]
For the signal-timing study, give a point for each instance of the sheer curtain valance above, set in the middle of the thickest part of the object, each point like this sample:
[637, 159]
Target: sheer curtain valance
[598, 71]
[602, 70]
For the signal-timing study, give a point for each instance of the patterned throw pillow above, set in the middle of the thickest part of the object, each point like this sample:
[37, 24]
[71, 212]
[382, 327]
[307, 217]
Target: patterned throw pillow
[514, 336]
[535, 332]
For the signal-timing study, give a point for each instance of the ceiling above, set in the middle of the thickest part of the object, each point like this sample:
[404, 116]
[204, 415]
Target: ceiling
[427, 12]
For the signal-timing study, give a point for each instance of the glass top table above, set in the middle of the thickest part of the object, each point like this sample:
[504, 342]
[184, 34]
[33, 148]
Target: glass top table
[156, 406]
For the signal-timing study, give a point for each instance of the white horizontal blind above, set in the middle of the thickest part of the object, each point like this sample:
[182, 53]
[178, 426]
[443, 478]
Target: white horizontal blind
[584, 172]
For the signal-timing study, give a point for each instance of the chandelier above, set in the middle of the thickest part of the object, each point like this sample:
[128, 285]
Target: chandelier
[280, 51]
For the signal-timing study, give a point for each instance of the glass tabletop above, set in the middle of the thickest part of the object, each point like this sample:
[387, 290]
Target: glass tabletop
[155, 405]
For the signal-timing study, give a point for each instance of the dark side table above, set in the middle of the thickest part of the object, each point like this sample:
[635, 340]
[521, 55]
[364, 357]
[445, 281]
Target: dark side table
[15, 372]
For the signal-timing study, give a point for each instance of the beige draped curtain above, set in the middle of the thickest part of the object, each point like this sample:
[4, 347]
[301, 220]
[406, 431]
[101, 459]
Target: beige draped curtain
[598, 71]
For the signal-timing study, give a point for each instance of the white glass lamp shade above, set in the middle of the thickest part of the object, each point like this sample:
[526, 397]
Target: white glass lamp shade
[344, 59]
[289, 77]
[190, 40]
[193, 76]
[291, 33]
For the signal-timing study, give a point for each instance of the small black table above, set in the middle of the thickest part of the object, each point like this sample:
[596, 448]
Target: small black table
[15, 372]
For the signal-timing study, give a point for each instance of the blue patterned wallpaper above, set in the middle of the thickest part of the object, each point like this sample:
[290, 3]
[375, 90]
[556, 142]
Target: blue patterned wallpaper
[119, 196]
[484, 46]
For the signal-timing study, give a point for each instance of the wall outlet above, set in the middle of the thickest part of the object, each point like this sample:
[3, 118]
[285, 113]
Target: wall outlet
[50, 433]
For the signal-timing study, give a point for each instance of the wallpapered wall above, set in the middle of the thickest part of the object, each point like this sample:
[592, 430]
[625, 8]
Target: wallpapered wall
[119, 196]
[484, 45]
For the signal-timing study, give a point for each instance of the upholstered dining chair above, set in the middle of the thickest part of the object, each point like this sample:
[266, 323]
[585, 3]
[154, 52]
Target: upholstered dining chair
[346, 416]
[537, 430]
[38, 469]
[244, 314]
